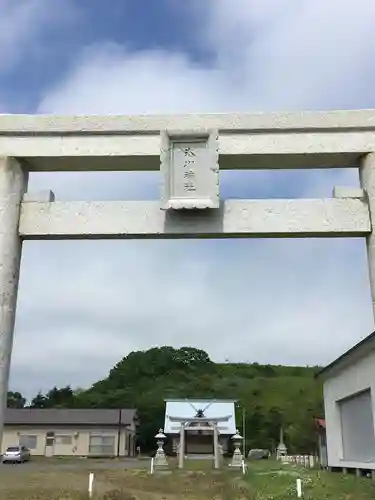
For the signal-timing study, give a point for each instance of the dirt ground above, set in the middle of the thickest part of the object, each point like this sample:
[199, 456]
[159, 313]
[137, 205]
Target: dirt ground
[67, 479]
[81, 464]
[63, 479]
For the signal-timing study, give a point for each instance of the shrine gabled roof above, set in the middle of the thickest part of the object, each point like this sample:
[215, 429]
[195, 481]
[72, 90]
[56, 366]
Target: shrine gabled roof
[212, 408]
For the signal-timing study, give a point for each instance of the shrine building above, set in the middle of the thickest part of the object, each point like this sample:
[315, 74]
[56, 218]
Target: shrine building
[197, 423]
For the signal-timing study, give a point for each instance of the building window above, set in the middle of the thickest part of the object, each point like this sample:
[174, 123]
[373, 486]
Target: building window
[64, 440]
[102, 444]
[29, 442]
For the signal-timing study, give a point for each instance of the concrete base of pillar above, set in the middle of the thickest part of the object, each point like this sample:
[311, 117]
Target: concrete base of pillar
[236, 459]
[160, 461]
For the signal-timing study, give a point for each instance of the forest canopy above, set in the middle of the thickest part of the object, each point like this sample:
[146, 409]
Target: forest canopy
[271, 395]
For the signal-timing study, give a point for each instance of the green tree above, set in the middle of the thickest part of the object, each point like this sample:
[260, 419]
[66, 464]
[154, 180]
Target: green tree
[15, 400]
[272, 395]
[39, 401]
[55, 398]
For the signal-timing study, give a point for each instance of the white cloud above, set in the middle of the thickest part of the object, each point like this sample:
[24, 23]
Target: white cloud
[290, 54]
[22, 25]
[298, 55]
[269, 301]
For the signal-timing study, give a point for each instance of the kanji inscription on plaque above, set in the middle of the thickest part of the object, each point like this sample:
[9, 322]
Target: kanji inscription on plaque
[189, 163]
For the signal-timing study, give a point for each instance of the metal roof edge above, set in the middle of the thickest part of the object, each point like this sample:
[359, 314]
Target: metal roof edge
[213, 400]
[324, 372]
[123, 417]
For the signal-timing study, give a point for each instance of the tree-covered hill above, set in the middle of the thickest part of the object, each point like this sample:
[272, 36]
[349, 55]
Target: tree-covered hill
[271, 395]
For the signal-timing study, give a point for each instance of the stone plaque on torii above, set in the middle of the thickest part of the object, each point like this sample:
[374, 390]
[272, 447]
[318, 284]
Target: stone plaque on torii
[190, 166]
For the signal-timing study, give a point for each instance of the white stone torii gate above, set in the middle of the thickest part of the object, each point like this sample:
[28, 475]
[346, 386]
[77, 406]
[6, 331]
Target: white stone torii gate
[209, 424]
[191, 148]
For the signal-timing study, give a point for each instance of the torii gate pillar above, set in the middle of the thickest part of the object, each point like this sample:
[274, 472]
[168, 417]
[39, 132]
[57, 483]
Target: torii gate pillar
[367, 178]
[13, 184]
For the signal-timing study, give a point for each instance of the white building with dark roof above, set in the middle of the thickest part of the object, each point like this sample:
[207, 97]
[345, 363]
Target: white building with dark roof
[71, 432]
[349, 404]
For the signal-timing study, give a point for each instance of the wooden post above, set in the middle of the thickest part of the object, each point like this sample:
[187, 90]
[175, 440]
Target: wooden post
[182, 447]
[216, 446]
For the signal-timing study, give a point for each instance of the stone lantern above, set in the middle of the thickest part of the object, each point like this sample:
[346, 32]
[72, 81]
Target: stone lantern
[237, 455]
[160, 460]
[281, 449]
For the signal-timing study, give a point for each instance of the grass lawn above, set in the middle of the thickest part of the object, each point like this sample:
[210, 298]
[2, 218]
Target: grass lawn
[275, 481]
[263, 481]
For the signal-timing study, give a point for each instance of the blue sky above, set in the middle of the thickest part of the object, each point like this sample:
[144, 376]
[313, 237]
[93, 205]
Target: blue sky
[140, 25]
[276, 301]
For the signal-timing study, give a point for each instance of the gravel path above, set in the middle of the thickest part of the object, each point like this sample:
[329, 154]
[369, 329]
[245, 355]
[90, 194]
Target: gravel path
[73, 464]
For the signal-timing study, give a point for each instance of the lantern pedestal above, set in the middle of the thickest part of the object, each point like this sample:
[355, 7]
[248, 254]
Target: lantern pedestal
[237, 455]
[160, 461]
